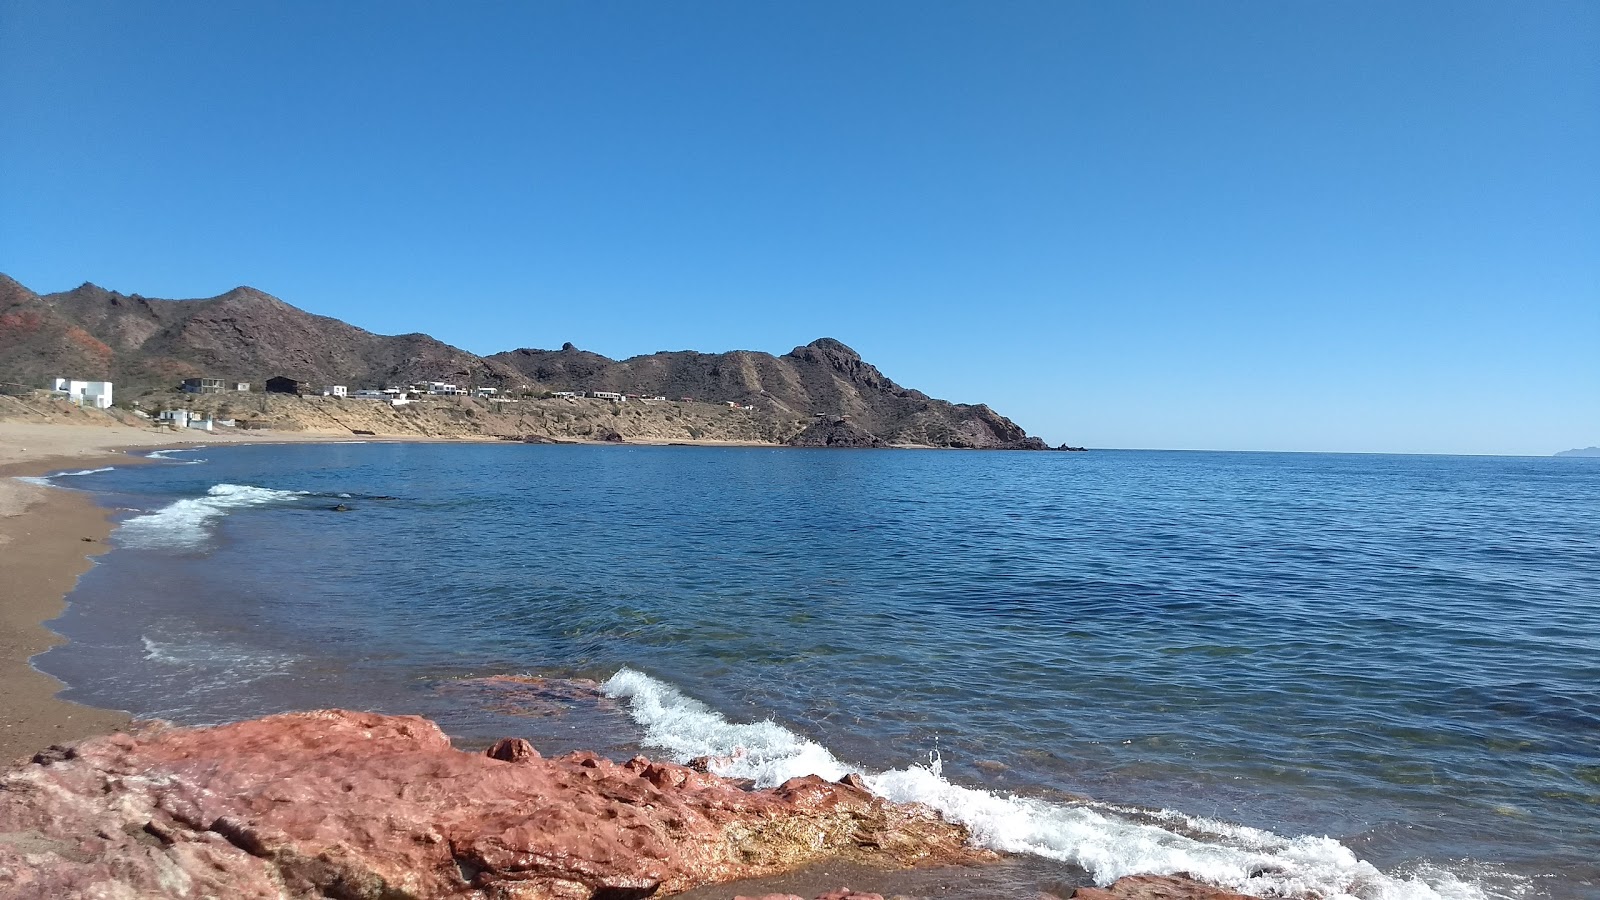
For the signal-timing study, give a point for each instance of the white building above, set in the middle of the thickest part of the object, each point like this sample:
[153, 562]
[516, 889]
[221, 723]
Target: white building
[242, 387]
[565, 395]
[613, 396]
[178, 417]
[484, 392]
[84, 393]
[337, 390]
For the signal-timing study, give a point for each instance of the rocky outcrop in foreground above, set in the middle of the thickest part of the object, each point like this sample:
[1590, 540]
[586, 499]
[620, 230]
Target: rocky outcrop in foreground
[369, 807]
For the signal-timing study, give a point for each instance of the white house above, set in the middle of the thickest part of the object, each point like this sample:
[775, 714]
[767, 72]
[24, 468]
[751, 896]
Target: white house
[484, 392]
[565, 395]
[178, 417]
[337, 390]
[613, 396]
[242, 387]
[84, 393]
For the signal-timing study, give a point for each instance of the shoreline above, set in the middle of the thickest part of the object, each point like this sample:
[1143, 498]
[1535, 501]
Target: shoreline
[49, 537]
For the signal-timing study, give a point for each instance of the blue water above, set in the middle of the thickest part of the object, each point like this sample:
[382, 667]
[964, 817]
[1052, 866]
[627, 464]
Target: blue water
[1112, 660]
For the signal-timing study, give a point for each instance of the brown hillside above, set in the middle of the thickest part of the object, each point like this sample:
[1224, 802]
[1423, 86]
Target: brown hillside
[148, 344]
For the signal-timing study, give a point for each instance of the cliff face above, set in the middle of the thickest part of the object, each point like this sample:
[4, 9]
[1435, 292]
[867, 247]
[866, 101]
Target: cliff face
[247, 335]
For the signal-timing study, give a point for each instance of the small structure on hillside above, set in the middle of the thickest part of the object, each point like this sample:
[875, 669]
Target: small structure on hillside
[242, 387]
[201, 386]
[336, 390]
[95, 394]
[613, 396]
[484, 392]
[284, 385]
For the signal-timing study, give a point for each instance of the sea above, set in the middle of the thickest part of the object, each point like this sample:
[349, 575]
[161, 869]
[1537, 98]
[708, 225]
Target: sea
[1306, 675]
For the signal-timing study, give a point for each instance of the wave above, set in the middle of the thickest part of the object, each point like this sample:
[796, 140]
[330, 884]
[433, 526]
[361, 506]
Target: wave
[185, 524]
[167, 455]
[1106, 841]
[47, 480]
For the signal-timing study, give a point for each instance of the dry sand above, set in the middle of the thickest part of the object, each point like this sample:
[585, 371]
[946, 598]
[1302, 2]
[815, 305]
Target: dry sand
[47, 537]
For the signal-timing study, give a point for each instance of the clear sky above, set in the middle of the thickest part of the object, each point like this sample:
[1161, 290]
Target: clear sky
[1233, 225]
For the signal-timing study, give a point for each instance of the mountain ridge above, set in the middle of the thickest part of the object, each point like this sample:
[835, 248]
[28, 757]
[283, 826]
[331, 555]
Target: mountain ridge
[245, 334]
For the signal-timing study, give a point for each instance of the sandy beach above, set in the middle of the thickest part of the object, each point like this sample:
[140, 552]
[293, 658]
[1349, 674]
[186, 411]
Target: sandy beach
[47, 539]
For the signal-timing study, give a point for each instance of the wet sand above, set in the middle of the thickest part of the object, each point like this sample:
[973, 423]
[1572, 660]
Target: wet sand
[48, 537]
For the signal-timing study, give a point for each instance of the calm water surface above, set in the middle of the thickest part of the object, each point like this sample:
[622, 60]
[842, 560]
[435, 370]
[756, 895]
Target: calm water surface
[1400, 653]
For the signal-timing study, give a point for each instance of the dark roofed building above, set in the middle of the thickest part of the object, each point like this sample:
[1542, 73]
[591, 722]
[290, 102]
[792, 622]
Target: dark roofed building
[282, 385]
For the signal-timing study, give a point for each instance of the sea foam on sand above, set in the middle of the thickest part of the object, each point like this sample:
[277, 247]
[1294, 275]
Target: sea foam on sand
[1096, 837]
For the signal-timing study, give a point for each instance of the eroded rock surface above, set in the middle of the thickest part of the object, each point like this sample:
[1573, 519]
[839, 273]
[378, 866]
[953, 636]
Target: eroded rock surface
[1157, 887]
[359, 805]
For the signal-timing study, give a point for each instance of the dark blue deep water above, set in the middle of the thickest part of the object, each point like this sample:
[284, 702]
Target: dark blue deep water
[1372, 676]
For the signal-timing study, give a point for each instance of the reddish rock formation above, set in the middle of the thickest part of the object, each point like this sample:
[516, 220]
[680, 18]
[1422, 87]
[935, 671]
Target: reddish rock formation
[359, 805]
[840, 894]
[1157, 887]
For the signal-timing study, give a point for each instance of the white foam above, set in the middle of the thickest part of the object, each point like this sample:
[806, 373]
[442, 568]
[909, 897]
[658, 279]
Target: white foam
[47, 480]
[167, 455]
[185, 523]
[1105, 841]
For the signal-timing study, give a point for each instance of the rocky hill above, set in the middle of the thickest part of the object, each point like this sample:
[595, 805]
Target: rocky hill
[147, 344]
[242, 335]
[823, 378]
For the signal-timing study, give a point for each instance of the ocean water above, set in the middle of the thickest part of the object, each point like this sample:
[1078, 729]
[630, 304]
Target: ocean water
[1291, 674]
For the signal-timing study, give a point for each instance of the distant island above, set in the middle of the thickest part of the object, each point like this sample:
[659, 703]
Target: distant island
[1582, 451]
[249, 357]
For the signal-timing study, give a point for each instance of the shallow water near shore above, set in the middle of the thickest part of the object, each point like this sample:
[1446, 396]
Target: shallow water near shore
[1376, 676]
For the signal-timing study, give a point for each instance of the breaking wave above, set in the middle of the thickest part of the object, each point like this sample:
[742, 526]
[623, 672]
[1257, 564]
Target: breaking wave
[48, 480]
[167, 455]
[1106, 841]
[185, 524]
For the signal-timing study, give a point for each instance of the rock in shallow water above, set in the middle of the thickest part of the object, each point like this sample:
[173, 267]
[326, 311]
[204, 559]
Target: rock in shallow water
[360, 805]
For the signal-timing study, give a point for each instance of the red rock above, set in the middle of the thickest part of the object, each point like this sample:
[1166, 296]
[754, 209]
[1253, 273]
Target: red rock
[1157, 887]
[359, 805]
[512, 750]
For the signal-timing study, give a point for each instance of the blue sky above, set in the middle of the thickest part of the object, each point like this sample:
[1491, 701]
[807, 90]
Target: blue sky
[1295, 226]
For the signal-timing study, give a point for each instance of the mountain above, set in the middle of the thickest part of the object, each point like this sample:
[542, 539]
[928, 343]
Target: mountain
[1583, 451]
[823, 378]
[242, 335]
[143, 343]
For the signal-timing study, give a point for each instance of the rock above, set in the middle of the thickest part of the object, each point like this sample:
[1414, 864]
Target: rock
[360, 805]
[840, 894]
[836, 432]
[339, 508]
[1157, 887]
[612, 437]
[512, 750]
